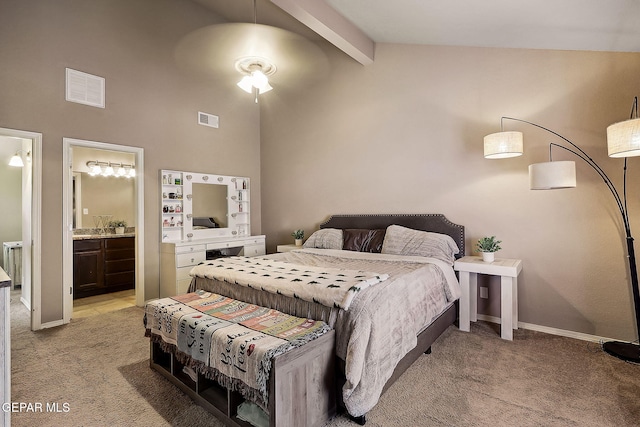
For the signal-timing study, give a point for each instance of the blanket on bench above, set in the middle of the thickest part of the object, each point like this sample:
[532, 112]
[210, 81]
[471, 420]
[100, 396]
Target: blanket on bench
[229, 341]
[331, 287]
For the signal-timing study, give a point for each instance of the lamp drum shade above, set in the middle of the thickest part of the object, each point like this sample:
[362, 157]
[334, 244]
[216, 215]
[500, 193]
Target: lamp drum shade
[552, 175]
[502, 145]
[623, 138]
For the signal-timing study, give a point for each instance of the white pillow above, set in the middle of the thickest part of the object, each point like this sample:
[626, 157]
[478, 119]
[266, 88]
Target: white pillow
[327, 238]
[405, 241]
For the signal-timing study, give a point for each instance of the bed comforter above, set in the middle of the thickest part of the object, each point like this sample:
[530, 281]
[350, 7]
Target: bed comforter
[382, 322]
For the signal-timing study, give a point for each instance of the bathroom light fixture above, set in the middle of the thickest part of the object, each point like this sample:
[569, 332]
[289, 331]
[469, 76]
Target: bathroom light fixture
[16, 159]
[107, 169]
[623, 140]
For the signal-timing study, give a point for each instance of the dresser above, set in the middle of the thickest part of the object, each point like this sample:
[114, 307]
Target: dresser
[178, 258]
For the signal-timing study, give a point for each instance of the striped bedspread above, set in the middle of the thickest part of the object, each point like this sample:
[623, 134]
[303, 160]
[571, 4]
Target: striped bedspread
[227, 340]
[331, 287]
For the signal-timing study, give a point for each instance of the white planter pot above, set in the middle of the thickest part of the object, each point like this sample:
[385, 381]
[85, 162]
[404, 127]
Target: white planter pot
[488, 256]
[298, 242]
[119, 230]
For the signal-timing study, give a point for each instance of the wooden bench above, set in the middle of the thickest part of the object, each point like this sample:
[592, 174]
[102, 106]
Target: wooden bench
[302, 390]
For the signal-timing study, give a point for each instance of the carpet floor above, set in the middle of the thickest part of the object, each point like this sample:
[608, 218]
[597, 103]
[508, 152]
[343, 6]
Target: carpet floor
[95, 372]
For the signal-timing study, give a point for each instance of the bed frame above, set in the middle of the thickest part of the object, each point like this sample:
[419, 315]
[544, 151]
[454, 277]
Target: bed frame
[436, 223]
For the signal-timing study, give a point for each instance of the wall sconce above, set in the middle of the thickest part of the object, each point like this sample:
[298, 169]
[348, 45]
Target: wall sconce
[105, 169]
[16, 159]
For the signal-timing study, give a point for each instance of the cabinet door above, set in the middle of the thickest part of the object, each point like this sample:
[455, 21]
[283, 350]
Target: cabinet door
[88, 268]
[119, 263]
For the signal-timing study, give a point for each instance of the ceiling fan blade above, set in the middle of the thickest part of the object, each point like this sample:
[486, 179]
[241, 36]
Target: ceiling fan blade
[213, 51]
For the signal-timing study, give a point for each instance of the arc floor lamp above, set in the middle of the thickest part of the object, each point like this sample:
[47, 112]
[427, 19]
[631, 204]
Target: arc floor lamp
[623, 140]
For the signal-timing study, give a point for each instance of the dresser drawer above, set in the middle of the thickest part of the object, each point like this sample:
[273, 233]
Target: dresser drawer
[254, 250]
[182, 273]
[190, 259]
[190, 249]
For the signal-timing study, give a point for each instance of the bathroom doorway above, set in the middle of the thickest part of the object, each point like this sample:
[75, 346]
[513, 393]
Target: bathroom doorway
[21, 195]
[87, 216]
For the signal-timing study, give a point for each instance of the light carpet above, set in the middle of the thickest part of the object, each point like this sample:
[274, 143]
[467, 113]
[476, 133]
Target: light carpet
[99, 367]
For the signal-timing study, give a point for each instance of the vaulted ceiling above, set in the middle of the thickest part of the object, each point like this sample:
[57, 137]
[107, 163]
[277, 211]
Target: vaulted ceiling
[356, 25]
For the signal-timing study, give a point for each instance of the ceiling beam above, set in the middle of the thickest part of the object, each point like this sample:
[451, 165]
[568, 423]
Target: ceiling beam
[333, 27]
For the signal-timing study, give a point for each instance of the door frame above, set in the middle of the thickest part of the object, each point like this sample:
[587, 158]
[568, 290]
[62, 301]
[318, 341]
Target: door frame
[35, 221]
[67, 218]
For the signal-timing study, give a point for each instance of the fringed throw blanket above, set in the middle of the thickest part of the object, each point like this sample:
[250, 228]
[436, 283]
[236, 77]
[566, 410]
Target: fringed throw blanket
[227, 340]
[331, 287]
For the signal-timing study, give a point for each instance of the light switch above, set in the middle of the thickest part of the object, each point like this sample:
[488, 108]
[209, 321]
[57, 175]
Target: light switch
[484, 292]
[85, 211]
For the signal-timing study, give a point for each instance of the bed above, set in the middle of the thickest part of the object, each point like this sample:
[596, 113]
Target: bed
[418, 292]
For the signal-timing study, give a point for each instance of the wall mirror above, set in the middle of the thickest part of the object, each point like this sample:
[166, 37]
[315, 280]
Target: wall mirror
[210, 201]
[203, 206]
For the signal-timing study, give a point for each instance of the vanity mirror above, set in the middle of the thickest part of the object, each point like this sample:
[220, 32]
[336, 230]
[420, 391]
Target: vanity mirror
[203, 206]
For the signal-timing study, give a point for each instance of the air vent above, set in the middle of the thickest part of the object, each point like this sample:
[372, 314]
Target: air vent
[208, 119]
[84, 88]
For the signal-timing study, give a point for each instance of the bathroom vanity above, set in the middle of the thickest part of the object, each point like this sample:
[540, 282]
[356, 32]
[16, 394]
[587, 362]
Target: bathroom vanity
[103, 264]
[202, 217]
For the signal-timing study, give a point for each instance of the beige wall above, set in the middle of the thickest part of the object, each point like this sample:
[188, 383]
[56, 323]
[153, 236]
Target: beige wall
[100, 195]
[404, 135]
[151, 102]
[10, 194]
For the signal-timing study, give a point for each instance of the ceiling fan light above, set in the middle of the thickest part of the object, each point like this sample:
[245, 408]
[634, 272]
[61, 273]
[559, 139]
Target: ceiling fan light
[264, 88]
[246, 84]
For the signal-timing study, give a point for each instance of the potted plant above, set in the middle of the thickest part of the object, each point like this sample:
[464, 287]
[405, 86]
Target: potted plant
[488, 246]
[298, 235]
[119, 225]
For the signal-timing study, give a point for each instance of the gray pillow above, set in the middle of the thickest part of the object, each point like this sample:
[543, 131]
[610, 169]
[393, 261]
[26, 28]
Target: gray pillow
[327, 238]
[405, 241]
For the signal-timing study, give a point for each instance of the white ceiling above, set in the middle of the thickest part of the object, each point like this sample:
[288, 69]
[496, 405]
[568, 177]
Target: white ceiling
[602, 25]
[354, 26]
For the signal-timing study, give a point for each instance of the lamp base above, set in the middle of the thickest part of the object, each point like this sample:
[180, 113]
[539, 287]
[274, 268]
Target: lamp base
[623, 350]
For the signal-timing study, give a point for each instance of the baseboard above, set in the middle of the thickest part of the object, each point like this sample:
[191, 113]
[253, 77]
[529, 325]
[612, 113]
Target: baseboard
[52, 324]
[549, 330]
[25, 303]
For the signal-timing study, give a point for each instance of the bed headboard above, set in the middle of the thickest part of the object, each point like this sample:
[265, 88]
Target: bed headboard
[436, 223]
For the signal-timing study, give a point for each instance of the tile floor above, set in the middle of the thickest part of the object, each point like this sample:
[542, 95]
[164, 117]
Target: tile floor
[100, 304]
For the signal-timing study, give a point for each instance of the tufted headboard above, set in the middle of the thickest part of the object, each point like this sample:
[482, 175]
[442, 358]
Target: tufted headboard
[436, 223]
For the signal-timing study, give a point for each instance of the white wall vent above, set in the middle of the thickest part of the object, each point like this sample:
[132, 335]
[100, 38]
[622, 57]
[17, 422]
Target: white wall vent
[208, 119]
[84, 88]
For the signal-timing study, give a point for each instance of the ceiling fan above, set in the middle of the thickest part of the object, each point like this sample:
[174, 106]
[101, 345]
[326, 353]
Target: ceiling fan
[257, 55]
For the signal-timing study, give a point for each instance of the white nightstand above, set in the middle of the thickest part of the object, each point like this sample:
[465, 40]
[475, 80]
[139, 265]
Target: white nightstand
[287, 248]
[508, 270]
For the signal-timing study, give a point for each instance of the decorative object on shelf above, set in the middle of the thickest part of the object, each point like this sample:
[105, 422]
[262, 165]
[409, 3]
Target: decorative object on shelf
[298, 235]
[105, 169]
[118, 225]
[16, 159]
[102, 223]
[488, 246]
[623, 140]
